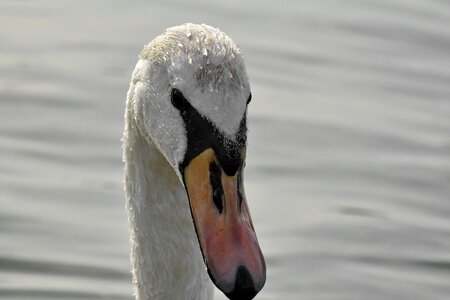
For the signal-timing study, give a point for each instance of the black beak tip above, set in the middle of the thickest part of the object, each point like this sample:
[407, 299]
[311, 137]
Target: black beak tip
[244, 288]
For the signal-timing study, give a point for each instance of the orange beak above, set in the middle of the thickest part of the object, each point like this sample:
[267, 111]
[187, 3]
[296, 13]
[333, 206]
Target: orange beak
[224, 227]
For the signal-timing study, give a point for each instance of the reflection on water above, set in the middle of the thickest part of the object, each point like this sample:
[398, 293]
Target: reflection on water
[348, 172]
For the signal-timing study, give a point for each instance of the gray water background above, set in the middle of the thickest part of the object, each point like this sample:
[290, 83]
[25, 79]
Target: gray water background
[348, 171]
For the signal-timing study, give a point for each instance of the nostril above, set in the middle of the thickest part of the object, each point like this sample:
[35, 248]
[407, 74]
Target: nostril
[244, 289]
[216, 184]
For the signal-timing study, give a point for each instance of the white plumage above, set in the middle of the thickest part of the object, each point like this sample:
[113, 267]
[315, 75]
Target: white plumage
[207, 66]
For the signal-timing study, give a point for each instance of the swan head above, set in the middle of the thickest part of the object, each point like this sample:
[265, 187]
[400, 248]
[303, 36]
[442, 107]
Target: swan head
[190, 99]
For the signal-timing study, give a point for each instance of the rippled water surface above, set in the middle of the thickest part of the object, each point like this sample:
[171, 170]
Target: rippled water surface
[348, 172]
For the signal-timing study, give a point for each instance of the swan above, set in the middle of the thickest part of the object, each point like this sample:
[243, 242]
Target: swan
[184, 149]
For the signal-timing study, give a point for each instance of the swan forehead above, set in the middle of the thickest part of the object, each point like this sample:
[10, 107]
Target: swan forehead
[206, 65]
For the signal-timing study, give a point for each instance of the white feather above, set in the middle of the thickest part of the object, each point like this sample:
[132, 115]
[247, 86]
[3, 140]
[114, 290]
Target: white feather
[207, 67]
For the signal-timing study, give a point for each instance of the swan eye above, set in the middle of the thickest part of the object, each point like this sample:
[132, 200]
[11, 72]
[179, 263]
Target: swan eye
[249, 98]
[178, 99]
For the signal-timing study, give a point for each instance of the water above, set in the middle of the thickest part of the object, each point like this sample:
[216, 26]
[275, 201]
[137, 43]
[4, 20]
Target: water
[348, 172]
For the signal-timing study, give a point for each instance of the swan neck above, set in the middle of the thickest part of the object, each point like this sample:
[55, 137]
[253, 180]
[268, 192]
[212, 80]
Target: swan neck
[165, 255]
